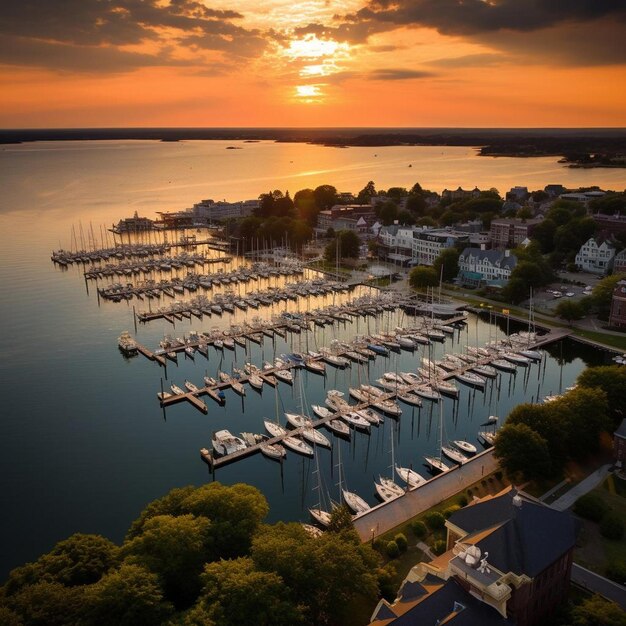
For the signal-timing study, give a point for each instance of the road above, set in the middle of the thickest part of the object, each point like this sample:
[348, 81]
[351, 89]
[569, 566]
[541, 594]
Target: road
[584, 486]
[598, 584]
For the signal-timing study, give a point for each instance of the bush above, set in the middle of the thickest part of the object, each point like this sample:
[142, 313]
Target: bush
[612, 526]
[386, 586]
[419, 529]
[401, 542]
[439, 547]
[450, 510]
[498, 476]
[616, 571]
[392, 550]
[590, 506]
[462, 500]
[379, 544]
[435, 520]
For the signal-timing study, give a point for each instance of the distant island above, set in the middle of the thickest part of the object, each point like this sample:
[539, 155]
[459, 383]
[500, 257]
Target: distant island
[582, 147]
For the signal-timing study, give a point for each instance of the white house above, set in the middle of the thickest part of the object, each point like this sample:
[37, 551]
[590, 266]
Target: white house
[478, 267]
[596, 257]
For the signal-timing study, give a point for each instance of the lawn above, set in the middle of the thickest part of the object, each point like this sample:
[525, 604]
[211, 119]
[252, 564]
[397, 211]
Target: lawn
[593, 551]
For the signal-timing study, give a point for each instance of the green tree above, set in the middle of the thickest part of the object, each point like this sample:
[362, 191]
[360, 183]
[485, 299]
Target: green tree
[325, 197]
[78, 560]
[397, 193]
[235, 592]
[347, 244]
[448, 259]
[387, 213]
[421, 277]
[596, 611]
[611, 379]
[548, 423]
[543, 233]
[174, 548]
[340, 519]
[10, 618]
[235, 513]
[612, 526]
[584, 416]
[522, 452]
[130, 596]
[602, 294]
[570, 310]
[315, 569]
[306, 205]
[406, 217]
[48, 604]
[367, 193]
[591, 506]
[416, 204]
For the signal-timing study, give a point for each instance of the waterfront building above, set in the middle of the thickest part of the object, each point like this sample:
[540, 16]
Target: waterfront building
[582, 196]
[595, 256]
[480, 267]
[208, 212]
[459, 194]
[417, 245]
[134, 224]
[610, 223]
[617, 317]
[508, 561]
[511, 232]
[619, 445]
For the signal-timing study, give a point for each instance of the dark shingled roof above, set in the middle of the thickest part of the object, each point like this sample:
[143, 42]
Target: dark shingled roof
[442, 603]
[532, 536]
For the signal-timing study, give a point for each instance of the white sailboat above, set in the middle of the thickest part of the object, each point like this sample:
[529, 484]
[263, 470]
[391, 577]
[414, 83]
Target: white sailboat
[385, 486]
[435, 463]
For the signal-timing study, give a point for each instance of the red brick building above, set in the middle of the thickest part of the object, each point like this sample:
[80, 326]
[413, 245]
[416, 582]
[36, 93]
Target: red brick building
[619, 445]
[509, 558]
[617, 317]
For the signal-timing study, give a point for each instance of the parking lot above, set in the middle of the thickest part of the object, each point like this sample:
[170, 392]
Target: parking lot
[566, 287]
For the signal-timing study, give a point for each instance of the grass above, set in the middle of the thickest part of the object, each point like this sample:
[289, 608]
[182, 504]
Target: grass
[593, 550]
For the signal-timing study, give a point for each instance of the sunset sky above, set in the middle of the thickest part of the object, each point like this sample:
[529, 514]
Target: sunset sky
[78, 63]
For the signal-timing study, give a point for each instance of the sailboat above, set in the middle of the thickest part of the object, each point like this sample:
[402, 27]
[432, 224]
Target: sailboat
[353, 500]
[385, 487]
[320, 515]
[290, 441]
[435, 463]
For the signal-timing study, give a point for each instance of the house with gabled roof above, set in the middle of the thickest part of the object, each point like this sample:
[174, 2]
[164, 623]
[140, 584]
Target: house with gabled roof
[508, 561]
[596, 256]
[479, 267]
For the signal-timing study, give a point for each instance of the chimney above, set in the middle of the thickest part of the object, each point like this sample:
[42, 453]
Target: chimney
[483, 246]
[507, 253]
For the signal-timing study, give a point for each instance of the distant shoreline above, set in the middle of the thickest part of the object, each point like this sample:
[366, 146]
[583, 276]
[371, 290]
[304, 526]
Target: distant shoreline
[584, 147]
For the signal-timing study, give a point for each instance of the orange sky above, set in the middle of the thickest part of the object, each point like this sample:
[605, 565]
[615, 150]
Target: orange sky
[312, 63]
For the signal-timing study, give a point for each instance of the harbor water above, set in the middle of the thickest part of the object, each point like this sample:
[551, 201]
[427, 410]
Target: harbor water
[84, 444]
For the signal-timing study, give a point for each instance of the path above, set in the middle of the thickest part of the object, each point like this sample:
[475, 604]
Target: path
[583, 487]
[598, 584]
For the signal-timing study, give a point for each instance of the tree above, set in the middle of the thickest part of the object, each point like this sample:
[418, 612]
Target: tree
[78, 560]
[421, 277]
[602, 294]
[347, 243]
[543, 233]
[596, 611]
[416, 204]
[547, 423]
[235, 592]
[448, 259]
[591, 506]
[570, 310]
[387, 213]
[340, 519]
[612, 526]
[584, 416]
[315, 569]
[48, 604]
[325, 196]
[306, 205]
[367, 193]
[235, 512]
[130, 596]
[522, 452]
[174, 548]
[611, 379]
[406, 217]
[397, 193]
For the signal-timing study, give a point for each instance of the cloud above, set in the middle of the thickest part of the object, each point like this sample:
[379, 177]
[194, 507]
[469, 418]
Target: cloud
[399, 74]
[470, 60]
[43, 32]
[585, 32]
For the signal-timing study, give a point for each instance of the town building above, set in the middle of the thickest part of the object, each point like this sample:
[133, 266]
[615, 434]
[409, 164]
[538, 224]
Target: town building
[133, 224]
[356, 217]
[508, 561]
[459, 194]
[511, 232]
[595, 256]
[617, 316]
[208, 212]
[554, 190]
[479, 267]
[582, 196]
[619, 445]
[610, 223]
[417, 245]
[619, 262]
[517, 194]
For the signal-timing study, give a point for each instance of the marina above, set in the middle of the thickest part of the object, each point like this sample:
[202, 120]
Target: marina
[96, 424]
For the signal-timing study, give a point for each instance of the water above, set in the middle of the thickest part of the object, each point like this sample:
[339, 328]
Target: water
[84, 445]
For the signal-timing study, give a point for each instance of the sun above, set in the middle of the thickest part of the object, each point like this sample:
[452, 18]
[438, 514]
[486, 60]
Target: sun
[310, 47]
